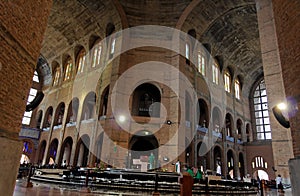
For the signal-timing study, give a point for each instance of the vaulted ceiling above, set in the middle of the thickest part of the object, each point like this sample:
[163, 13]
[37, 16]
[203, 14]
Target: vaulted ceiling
[229, 27]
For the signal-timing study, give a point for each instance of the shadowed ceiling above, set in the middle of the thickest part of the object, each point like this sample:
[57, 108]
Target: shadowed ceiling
[229, 27]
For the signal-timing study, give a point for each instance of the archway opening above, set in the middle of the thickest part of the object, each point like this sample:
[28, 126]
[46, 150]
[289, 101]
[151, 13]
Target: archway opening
[202, 159]
[142, 145]
[66, 152]
[83, 151]
[52, 152]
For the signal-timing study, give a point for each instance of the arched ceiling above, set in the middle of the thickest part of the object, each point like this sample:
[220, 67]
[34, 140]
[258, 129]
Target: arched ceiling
[228, 26]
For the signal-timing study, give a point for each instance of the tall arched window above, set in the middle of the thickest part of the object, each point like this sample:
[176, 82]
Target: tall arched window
[227, 78]
[68, 69]
[201, 62]
[56, 77]
[237, 88]
[146, 101]
[97, 50]
[187, 51]
[215, 73]
[80, 61]
[261, 113]
[113, 46]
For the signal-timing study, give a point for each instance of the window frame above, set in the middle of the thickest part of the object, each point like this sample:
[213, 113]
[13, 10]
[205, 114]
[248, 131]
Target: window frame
[261, 113]
[68, 69]
[81, 61]
[202, 62]
[96, 54]
[215, 73]
[237, 89]
[227, 81]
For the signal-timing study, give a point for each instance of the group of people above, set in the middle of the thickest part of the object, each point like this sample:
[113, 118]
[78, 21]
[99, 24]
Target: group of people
[194, 172]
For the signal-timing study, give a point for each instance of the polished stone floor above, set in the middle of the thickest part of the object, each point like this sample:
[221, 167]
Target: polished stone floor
[40, 189]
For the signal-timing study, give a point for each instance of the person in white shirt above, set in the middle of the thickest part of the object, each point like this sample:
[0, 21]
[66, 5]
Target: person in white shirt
[279, 182]
[218, 172]
[177, 167]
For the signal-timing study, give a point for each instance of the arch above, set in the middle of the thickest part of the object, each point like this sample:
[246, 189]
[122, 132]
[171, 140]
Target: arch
[96, 52]
[227, 80]
[261, 174]
[202, 161]
[193, 34]
[52, 152]
[220, 61]
[104, 102]
[88, 110]
[59, 114]
[39, 118]
[204, 113]
[67, 67]
[188, 107]
[80, 54]
[188, 152]
[242, 164]
[110, 28]
[27, 151]
[93, 40]
[72, 111]
[248, 132]
[99, 143]
[216, 119]
[230, 165]
[218, 157]
[82, 151]
[48, 117]
[144, 98]
[143, 144]
[56, 70]
[65, 152]
[42, 148]
[229, 125]
[239, 126]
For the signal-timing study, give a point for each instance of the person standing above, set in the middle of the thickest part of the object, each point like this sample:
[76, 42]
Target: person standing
[177, 167]
[151, 161]
[218, 172]
[278, 180]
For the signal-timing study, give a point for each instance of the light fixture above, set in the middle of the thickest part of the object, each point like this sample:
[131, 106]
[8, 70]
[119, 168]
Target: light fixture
[122, 118]
[278, 113]
[169, 122]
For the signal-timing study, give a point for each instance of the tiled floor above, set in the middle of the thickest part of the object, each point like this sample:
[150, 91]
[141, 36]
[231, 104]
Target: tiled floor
[40, 189]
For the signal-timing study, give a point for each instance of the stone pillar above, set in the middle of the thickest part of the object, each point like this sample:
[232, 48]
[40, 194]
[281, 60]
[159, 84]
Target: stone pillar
[281, 137]
[286, 15]
[22, 26]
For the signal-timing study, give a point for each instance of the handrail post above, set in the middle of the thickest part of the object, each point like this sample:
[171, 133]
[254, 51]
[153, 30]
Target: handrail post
[156, 193]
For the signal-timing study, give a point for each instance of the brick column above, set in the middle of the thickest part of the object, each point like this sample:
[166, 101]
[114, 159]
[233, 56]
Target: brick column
[286, 15]
[281, 137]
[22, 25]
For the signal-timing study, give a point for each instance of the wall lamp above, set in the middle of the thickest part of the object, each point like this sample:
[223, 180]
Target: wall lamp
[169, 122]
[278, 113]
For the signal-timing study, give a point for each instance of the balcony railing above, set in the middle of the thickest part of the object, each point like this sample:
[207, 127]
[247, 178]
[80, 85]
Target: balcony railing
[239, 141]
[229, 138]
[71, 124]
[57, 127]
[217, 134]
[202, 129]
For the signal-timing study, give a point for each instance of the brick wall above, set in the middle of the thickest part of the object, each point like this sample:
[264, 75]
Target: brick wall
[287, 28]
